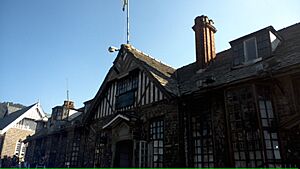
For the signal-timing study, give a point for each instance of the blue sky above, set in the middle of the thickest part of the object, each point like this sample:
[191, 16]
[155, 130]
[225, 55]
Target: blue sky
[45, 42]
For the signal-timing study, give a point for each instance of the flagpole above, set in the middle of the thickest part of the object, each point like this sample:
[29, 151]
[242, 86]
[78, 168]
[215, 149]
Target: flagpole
[127, 8]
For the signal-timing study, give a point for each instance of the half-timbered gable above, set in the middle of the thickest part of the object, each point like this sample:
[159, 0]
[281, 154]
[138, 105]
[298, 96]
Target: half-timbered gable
[135, 100]
[134, 80]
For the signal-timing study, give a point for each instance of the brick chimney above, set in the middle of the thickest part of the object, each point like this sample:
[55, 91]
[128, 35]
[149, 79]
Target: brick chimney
[69, 104]
[205, 40]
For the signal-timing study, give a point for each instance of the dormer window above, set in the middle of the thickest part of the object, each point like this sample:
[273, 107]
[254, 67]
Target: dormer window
[254, 47]
[250, 49]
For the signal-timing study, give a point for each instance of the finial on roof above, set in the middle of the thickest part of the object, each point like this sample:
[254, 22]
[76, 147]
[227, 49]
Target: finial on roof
[127, 46]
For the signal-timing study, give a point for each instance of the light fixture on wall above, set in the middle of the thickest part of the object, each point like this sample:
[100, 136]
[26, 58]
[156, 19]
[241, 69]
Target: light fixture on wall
[113, 49]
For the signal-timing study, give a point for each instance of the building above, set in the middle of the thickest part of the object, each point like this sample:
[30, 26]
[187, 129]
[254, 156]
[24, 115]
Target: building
[9, 107]
[17, 123]
[242, 107]
[52, 144]
[133, 121]
[236, 108]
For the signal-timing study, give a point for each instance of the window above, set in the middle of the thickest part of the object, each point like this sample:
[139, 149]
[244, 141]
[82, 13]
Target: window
[269, 128]
[23, 150]
[126, 90]
[75, 150]
[127, 84]
[141, 156]
[61, 161]
[18, 147]
[203, 141]
[250, 49]
[243, 124]
[99, 150]
[157, 140]
[125, 100]
[54, 149]
[27, 124]
[59, 114]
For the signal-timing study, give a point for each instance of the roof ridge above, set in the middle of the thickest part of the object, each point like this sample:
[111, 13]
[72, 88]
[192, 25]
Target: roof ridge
[151, 57]
[7, 120]
[192, 63]
[287, 27]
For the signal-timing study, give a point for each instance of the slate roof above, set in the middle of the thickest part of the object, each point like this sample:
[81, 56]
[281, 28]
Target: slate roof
[13, 116]
[59, 126]
[159, 71]
[9, 107]
[163, 73]
[288, 54]
[186, 79]
[284, 57]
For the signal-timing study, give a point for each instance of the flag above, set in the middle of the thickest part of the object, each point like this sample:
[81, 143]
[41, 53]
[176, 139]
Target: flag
[125, 2]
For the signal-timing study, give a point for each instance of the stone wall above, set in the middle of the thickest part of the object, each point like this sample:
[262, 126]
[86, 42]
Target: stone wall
[11, 137]
[286, 103]
[166, 110]
[169, 112]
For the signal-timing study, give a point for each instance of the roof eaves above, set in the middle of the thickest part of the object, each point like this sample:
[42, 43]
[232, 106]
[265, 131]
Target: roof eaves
[10, 120]
[270, 28]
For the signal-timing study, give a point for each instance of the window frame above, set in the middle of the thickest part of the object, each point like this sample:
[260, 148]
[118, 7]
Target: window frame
[18, 148]
[269, 129]
[127, 85]
[156, 135]
[245, 137]
[142, 154]
[75, 150]
[202, 128]
[99, 150]
[246, 57]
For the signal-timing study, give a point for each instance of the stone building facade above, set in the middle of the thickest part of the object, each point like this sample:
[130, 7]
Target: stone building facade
[236, 108]
[12, 138]
[15, 126]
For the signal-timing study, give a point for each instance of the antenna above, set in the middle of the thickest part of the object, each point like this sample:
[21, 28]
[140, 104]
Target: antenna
[127, 21]
[67, 81]
[126, 3]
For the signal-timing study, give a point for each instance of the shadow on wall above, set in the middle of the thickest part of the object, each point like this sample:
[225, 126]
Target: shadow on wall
[7, 162]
